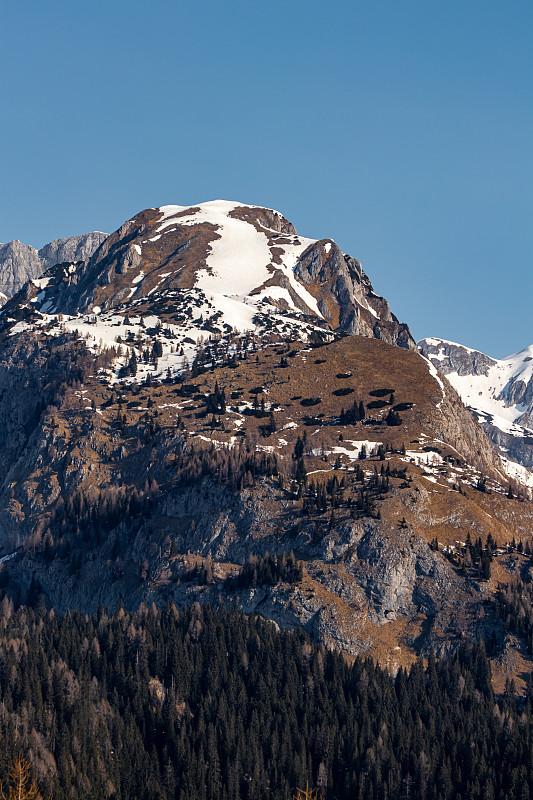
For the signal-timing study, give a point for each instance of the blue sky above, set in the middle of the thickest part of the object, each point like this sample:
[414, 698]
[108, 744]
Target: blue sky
[401, 129]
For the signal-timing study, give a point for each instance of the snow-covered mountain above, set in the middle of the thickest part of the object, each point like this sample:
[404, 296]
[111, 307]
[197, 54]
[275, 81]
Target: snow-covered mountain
[191, 394]
[209, 270]
[499, 392]
[21, 262]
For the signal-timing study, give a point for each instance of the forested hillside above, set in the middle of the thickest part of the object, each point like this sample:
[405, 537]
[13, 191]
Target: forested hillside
[206, 705]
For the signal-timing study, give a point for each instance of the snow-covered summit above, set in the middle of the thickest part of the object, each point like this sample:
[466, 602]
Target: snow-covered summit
[240, 262]
[503, 387]
[216, 267]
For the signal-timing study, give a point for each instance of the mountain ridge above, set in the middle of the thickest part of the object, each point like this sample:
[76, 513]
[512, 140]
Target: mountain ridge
[21, 262]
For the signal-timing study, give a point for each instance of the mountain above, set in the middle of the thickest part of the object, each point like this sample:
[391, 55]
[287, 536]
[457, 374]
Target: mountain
[18, 264]
[213, 408]
[229, 266]
[73, 248]
[134, 491]
[499, 392]
[21, 262]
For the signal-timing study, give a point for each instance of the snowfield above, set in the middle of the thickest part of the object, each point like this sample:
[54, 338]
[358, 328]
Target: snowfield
[241, 260]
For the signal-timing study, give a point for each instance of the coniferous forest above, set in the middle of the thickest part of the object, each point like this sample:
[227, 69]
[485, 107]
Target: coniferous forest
[216, 705]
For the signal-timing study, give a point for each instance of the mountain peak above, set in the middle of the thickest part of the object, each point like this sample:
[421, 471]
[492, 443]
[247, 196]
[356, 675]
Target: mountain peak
[225, 265]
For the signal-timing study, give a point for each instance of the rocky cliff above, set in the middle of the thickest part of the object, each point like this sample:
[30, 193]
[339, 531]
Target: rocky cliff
[73, 248]
[20, 263]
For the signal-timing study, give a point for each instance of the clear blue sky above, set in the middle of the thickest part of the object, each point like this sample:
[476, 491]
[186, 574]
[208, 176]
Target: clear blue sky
[403, 129]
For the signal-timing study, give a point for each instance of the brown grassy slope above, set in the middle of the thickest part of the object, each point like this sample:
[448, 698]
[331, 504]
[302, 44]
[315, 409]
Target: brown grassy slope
[104, 455]
[373, 365]
[101, 437]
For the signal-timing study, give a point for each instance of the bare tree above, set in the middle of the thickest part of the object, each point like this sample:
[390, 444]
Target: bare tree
[20, 783]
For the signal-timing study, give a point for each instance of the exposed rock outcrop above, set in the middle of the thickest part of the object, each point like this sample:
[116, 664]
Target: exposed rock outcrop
[451, 357]
[20, 263]
[346, 295]
[73, 248]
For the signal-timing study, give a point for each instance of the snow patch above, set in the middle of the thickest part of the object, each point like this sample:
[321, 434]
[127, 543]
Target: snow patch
[434, 374]
[240, 258]
[41, 283]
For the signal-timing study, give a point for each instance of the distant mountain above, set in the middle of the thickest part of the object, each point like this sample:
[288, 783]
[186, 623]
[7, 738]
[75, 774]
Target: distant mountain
[499, 392]
[73, 248]
[18, 264]
[21, 262]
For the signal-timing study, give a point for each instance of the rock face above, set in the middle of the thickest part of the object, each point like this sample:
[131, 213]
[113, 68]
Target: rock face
[73, 248]
[366, 573]
[455, 358]
[346, 296]
[499, 392]
[20, 263]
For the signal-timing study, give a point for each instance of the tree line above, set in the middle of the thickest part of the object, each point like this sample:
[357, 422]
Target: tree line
[209, 704]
